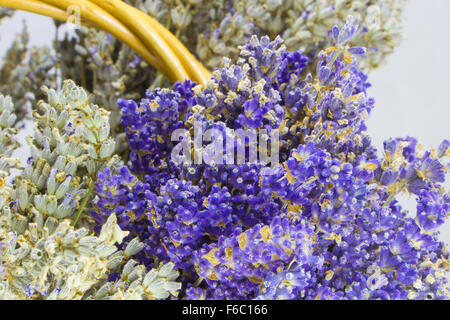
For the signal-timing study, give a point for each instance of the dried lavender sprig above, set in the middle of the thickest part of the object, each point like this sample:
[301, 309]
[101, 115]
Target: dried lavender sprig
[135, 283]
[70, 143]
[8, 120]
[212, 30]
[330, 177]
[217, 28]
[47, 256]
[24, 70]
[7, 145]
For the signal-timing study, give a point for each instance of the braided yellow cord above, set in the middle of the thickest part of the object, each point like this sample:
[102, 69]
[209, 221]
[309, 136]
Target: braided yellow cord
[111, 24]
[142, 33]
[194, 68]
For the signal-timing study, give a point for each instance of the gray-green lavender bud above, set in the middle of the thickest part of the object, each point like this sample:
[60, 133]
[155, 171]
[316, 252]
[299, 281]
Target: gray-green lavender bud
[135, 283]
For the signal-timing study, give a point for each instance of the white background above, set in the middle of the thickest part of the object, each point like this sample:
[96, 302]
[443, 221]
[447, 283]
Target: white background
[411, 90]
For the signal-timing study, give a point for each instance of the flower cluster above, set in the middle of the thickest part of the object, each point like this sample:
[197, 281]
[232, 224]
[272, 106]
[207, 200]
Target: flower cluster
[7, 122]
[136, 284]
[235, 266]
[217, 28]
[7, 145]
[221, 215]
[109, 69]
[324, 223]
[24, 70]
[52, 260]
[43, 254]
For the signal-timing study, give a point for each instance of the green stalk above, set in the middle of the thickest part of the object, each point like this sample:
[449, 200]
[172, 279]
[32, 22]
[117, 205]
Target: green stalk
[389, 200]
[336, 55]
[94, 81]
[83, 204]
[199, 280]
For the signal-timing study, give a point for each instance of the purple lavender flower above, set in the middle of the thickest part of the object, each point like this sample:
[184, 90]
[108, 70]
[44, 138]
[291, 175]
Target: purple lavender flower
[432, 209]
[324, 224]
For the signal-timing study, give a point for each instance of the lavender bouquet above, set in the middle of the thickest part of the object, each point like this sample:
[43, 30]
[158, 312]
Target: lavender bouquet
[260, 183]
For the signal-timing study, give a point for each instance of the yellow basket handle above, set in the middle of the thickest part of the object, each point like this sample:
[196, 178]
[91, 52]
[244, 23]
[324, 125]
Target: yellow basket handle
[147, 37]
